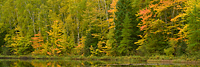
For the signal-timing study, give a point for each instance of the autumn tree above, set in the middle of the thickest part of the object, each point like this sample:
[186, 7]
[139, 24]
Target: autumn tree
[193, 27]
[54, 44]
[38, 43]
[159, 27]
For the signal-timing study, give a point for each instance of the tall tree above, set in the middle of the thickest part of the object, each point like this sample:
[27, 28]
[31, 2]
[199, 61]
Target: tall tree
[193, 27]
[159, 27]
[124, 7]
[125, 44]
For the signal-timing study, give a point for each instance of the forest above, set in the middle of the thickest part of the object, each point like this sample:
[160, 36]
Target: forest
[100, 27]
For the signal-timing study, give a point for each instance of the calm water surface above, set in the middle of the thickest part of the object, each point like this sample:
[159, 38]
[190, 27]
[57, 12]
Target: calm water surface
[79, 63]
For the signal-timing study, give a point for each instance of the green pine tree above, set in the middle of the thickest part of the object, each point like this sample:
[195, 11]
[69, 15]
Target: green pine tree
[126, 42]
[124, 7]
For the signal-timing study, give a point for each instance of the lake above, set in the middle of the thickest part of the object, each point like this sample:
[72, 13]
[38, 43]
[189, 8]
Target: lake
[91, 63]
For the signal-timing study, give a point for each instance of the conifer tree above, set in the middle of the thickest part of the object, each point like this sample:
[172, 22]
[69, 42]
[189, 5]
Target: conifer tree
[124, 7]
[126, 42]
[119, 20]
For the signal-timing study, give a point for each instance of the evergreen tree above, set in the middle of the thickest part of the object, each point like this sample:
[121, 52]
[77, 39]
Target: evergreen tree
[126, 34]
[124, 7]
[119, 20]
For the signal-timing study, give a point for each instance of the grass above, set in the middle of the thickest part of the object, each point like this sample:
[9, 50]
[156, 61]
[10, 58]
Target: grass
[26, 57]
[156, 58]
[107, 58]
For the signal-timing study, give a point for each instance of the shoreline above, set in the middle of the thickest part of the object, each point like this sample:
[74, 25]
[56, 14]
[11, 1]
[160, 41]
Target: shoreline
[103, 58]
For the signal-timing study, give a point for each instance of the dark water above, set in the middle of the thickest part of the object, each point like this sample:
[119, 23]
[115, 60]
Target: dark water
[79, 63]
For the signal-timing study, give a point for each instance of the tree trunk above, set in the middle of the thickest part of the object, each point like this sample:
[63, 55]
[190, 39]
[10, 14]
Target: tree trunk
[106, 13]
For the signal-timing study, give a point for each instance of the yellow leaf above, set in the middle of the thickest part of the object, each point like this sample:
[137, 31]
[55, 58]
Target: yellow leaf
[58, 51]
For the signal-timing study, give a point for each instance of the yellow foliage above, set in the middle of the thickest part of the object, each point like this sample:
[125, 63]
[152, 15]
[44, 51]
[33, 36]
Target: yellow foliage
[178, 16]
[92, 50]
[111, 27]
[79, 48]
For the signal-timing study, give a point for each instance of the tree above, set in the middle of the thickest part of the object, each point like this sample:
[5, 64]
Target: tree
[38, 44]
[110, 43]
[124, 7]
[126, 42]
[193, 32]
[54, 45]
[159, 26]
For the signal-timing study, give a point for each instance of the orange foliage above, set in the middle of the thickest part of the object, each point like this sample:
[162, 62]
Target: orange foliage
[142, 27]
[144, 11]
[145, 15]
[37, 43]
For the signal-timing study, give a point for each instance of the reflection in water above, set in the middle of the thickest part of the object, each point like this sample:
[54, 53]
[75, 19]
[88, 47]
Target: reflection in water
[79, 63]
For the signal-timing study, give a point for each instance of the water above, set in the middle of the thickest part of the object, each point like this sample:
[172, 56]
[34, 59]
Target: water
[92, 63]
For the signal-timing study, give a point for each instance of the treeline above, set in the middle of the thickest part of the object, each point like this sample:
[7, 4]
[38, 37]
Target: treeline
[100, 27]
